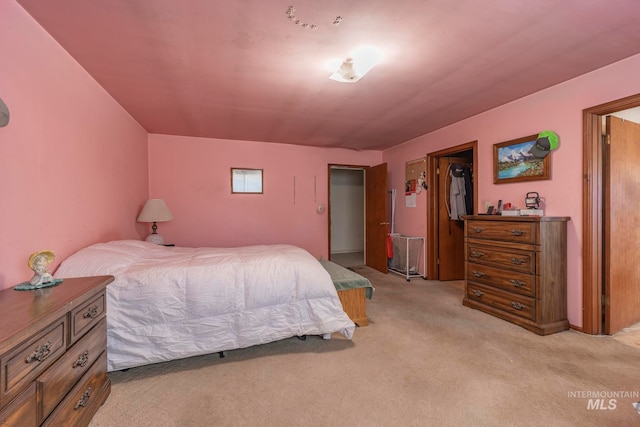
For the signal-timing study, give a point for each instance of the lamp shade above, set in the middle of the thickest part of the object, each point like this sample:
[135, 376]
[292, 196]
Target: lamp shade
[155, 210]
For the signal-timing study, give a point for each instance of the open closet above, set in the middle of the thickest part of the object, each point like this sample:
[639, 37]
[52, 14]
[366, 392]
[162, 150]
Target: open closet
[346, 215]
[452, 189]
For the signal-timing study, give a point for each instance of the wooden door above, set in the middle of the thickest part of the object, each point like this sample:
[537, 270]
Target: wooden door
[376, 221]
[450, 232]
[621, 282]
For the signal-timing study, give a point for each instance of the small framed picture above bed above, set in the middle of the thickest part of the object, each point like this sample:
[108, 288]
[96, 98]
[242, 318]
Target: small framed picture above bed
[245, 181]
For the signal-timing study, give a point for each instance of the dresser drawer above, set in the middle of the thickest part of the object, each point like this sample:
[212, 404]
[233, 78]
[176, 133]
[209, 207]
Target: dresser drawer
[512, 259]
[84, 399]
[519, 305]
[22, 411]
[86, 316]
[27, 360]
[513, 281]
[58, 380]
[521, 232]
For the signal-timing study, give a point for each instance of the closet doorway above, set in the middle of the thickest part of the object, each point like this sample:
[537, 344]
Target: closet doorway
[347, 215]
[357, 217]
[445, 242]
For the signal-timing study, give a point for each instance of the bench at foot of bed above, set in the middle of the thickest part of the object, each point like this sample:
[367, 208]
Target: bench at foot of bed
[355, 305]
[353, 291]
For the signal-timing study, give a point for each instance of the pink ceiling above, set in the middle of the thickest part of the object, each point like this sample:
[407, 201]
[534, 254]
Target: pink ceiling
[242, 70]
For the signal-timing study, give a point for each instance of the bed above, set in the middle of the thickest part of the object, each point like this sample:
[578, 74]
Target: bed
[169, 303]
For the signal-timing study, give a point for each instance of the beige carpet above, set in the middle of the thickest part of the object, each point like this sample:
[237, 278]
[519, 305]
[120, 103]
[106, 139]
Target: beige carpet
[630, 335]
[423, 360]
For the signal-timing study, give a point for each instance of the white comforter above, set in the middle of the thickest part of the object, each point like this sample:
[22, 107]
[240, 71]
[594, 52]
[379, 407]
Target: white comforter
[171, 302]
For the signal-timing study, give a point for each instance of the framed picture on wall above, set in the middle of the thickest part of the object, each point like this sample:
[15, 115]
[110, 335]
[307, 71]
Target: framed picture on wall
[513, 162]
[246, 181]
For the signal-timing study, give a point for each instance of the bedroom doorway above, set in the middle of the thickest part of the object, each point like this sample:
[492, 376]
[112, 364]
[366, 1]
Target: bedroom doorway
[347, 215]
[611, 279]
[357, 216]
[445, 243]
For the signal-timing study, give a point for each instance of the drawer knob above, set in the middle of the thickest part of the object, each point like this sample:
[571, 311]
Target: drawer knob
[517, 261]
[478, 293]
[42, 352]
[477, 273]
[84, 400]
[91, 313]
[82, 360]
[476, 254]
[518, 232]
[478, 229]
[517, 305]
[517, 283]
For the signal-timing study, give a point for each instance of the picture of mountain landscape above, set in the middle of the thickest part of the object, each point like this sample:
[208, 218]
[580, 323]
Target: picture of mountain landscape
[517, 161]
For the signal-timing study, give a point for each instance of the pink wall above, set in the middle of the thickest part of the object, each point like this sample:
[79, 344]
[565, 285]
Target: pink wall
[73, 164]
[193, 176]
[559, 109]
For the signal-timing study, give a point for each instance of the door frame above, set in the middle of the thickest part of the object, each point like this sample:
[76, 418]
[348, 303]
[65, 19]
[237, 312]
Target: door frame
[592, 205]
[433, 232]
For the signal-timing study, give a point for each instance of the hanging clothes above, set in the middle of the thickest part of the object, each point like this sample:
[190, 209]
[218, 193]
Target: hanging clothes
[468, 187]
[457, 193]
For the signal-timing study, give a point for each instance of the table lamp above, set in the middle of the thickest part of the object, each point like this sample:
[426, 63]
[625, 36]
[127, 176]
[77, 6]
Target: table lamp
[155, 210]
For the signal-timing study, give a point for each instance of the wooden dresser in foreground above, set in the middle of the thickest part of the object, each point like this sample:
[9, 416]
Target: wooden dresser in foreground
[516, 269]
[53, 364]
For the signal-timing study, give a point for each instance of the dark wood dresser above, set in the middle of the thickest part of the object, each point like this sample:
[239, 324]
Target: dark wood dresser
[516, 269]
[53, 363]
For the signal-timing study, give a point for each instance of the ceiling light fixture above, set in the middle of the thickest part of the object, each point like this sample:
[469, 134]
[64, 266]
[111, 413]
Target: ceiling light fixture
[352, 69]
